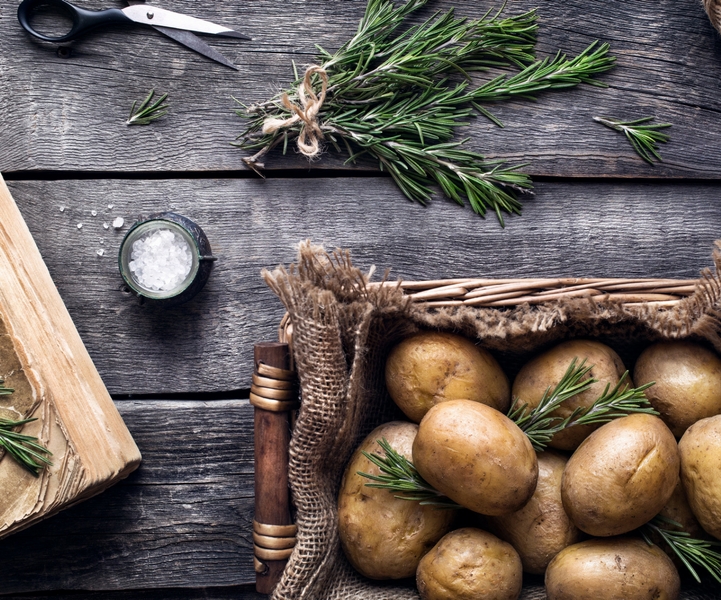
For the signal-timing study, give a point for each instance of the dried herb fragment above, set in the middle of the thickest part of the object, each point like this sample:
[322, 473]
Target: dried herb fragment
[643, 136]
[146, 113]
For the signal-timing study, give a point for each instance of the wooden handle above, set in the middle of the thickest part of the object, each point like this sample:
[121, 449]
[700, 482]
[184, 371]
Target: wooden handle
[272, 439]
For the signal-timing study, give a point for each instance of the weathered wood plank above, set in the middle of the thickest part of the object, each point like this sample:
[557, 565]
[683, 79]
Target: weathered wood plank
[212, 593]
[182, 520]
[604, 229]
[68, 114]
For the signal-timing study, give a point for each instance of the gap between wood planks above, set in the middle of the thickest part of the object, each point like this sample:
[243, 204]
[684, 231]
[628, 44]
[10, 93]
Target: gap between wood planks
[241, 394]
[234, 592]
[310, 173]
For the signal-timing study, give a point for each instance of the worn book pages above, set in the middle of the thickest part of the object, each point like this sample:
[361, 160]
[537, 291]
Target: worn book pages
[43, 358]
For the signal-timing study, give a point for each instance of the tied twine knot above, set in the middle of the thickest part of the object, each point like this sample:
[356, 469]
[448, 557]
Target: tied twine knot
[310, 136]
[713, 9]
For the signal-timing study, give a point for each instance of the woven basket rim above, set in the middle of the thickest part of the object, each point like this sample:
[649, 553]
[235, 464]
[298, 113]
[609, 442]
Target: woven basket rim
[515, 291]
[509, 292]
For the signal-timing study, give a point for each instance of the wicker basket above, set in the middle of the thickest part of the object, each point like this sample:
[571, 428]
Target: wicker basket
[492, 299]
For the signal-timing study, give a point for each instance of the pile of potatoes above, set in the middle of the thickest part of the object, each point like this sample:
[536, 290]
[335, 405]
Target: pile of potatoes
[570, 511]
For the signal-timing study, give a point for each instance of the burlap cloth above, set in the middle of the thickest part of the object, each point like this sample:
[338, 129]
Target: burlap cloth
[343, 328]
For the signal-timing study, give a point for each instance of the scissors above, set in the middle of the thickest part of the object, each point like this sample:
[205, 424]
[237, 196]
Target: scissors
[175, 25]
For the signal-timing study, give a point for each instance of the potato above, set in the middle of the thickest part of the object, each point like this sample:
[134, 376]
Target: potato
[700, 449]
[385, 537]
[476, 456]
[547, 369]
[431, 367]
[688, 382]
[621, 476]
[541, 529]
[678, 509]
[612, 569]
[468, 564]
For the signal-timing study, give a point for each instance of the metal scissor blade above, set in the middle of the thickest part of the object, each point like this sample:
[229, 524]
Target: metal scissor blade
[190, 40]
[193, 42]
[159, 17]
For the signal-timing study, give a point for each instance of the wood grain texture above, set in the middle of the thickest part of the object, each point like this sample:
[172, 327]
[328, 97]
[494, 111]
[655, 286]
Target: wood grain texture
[68, 114]
[182, 520]
[599, 229]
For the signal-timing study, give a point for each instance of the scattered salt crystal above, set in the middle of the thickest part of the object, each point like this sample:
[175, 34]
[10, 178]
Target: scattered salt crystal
[94, 213]
[105, 225]
[100, 252]
[161, 260]
[111, 206]
[80, 225]
[118, 222]
[62, 208]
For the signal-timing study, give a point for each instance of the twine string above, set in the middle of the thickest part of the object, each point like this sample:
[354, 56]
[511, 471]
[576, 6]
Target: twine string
[307, 109]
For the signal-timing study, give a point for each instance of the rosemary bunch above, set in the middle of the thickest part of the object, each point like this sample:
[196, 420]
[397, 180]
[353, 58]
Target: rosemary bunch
[398, 94]
[690, 551]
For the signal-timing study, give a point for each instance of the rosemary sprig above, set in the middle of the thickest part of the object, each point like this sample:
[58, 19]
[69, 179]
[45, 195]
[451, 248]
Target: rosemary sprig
[25, 449]
[146, 113]
[643, 136]
[399, 475]
[690, 551]
[394, 95]
[539, 424]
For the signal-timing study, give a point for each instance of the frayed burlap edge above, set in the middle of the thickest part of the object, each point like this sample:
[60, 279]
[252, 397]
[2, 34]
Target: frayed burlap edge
[342, 330]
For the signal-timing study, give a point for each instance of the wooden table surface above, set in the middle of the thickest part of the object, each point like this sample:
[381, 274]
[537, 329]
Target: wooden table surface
[180, 526]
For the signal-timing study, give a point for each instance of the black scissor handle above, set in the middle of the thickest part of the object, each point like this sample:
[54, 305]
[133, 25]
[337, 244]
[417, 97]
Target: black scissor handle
[83, 20]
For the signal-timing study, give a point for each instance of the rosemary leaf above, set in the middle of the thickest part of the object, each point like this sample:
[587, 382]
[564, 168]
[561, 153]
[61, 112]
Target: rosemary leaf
[642, 135]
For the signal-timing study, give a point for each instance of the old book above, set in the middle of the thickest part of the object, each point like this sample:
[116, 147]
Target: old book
[43, 358]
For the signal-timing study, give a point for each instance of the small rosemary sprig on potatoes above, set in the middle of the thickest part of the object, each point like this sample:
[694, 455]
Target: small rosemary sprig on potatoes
[690, 551]
[540, 425]
[399, 475]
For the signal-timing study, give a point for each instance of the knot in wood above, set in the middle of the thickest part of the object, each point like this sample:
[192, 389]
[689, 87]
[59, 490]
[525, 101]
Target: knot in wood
[306, 111]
